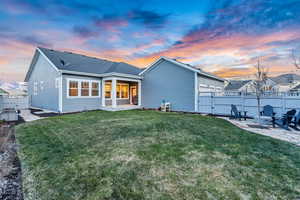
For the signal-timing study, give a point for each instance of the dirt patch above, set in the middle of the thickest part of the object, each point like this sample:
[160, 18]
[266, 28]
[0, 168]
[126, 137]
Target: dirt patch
[10, 167]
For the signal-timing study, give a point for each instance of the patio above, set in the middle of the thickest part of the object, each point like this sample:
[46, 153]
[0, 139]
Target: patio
[291, 136]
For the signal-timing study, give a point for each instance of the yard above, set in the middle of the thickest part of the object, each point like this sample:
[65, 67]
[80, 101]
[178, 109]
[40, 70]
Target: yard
[151, 155]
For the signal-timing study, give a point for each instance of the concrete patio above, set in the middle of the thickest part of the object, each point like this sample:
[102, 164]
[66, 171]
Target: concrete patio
[251, 125]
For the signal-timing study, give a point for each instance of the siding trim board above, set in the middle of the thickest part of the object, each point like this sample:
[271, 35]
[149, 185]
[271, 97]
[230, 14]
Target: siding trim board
[196, 91]
[60, 88]
[101, 75]
[158, 61]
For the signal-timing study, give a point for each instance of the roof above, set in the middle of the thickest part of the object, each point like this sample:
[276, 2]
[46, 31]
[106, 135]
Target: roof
[2, 91]
[286, 78]
[187, 66]
[81, 63]
[297, 87]
[236, 85]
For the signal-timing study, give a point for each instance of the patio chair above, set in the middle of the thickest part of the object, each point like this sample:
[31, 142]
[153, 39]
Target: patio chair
[268, 111]
[286, 119]
[236, 114]
[296, 120]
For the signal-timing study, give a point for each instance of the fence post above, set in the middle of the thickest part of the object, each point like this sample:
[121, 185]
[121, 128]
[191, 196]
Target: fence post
[212, 102]
[243, 101]
[283, 103]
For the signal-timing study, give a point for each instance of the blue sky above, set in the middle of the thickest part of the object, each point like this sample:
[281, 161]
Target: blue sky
[224, 37]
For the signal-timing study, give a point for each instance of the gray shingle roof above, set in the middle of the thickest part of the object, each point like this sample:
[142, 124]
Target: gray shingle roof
[297, 87]
[235, 85]
[81, 63]
[286, 78]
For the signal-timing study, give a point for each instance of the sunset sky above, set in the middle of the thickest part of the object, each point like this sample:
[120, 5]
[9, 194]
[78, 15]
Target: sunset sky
[223, 36]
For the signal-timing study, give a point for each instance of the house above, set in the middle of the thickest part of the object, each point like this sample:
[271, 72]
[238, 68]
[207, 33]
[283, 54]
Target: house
[234, 86]
[3, 92]
[246, 86]
[286, 82]
[68, 82]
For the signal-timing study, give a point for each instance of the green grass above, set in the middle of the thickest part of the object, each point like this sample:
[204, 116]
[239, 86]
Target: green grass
[151, 155]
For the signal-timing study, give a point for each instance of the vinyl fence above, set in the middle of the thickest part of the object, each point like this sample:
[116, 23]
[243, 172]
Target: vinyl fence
[220, 104]
[17, 102]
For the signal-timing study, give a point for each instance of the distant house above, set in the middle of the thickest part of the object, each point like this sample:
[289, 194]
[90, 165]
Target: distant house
[282, 83]
[237, 86]
[286, 82]
[3, 92]
[68, 82]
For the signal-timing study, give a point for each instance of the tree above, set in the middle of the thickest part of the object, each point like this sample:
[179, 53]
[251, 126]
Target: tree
[259, 83]
[296, 60]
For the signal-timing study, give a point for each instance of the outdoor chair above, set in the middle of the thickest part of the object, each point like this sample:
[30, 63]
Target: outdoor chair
[286, 119]
[268, 111]
[236, 114]
[296, 120]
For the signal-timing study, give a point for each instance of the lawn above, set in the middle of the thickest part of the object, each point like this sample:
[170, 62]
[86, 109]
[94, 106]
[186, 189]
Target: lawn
[151, 155]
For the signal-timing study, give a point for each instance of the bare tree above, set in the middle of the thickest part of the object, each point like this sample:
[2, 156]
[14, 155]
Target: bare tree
[259, 83]
[296, 60]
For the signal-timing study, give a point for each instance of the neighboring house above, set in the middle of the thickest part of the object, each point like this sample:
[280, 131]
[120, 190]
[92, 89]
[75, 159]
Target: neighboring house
[68, 82]
[246, 86]
[3, 92]
[286, 82]
[237, 86]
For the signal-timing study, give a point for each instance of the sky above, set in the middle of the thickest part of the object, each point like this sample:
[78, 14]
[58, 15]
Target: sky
[225, 37]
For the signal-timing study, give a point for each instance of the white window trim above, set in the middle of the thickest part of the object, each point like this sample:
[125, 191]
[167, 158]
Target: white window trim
[121, 90]
[91, 88]
[110, 92]
[120, 93]
[79, 88]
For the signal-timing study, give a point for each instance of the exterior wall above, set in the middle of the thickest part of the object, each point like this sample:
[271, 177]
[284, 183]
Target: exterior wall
[119, 102]
[76, 104]
[44, 75]
[169, 82]
[202, 80]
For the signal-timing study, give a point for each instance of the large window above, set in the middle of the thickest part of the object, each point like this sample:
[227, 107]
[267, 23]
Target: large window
[108, 90]
[73, 88]
[122, 91]
[85, 88]
[95, 89]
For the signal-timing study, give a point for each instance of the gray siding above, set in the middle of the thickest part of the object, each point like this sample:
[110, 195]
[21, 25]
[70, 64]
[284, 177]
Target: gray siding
[47, 93]
[119, 102]
[169, 82]
[209, 81]
[76, 104]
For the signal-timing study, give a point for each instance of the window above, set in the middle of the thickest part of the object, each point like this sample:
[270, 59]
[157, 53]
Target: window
[35, 88]
[122, 91]
[95, 89]
[42, 85]
[73, 89]
[85, 88]
[107, 90]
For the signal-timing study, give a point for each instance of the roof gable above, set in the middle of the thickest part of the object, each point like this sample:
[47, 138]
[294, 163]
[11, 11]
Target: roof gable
[186, 66]
[236, 85]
